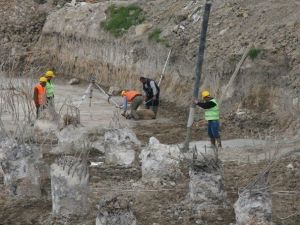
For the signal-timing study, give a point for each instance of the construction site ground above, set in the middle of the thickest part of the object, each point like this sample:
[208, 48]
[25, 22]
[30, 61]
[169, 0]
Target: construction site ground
[243, 160]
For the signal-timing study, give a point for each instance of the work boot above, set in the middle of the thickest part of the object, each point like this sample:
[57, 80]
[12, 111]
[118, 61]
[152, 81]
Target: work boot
[213, 142]
[219, 142]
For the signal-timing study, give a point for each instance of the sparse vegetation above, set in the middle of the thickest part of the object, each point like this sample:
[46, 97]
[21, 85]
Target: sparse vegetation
[253, 53]
[155, 36]
[120, 19]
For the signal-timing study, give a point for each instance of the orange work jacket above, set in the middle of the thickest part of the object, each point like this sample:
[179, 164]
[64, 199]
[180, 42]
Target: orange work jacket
[39, 94]
[130, 95]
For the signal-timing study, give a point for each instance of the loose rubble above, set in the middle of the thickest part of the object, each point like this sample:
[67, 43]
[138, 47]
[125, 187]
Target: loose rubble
[115, 211]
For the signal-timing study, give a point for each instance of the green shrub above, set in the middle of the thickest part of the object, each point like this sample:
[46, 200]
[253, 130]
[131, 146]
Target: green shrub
[253, 53]
[155, 36]
[120, 19]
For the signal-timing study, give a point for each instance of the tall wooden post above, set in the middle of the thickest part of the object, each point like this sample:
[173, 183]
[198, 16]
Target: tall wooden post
[198, 73]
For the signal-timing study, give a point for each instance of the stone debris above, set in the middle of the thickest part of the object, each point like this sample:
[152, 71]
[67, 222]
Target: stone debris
[121, 146]
[142, 28]
[160, 162]
[145, 114]
[20, 165]
[115, 211]
[254, 205]
[69, 186]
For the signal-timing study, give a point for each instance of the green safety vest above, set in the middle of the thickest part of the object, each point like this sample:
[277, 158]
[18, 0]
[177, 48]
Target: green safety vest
[49, 89]
[213, 113]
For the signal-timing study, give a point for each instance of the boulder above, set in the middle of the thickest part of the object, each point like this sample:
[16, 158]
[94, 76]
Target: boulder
[142, 28]
[74, 81]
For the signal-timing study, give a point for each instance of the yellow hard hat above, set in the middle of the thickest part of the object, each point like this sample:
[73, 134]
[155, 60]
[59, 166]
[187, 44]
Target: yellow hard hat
[205, 94]
[49, 73]
[43, 79]
[123, 93]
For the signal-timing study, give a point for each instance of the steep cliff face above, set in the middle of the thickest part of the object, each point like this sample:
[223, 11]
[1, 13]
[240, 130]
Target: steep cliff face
[21, 22]
[79, 47]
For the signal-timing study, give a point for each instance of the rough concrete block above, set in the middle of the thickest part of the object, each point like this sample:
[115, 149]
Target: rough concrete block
[160, 162]
[254, 205]
[120, 146]
[206, 187]
[69, 187]
[19, 163]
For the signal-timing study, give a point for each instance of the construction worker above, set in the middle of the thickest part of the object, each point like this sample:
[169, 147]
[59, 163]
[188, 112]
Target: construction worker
[39, 95]
[152, 92]
[50, 88]
[212, 115]
[135, 99]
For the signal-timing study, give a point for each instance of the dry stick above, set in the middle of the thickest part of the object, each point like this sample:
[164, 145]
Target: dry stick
[236, 72]
[197, 74]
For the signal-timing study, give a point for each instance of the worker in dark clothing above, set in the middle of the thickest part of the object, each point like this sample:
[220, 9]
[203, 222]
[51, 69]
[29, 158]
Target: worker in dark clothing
[212, 115]
[152, 92]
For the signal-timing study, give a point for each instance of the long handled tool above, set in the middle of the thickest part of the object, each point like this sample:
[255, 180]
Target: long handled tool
[162, 73]
[109, 99]
[164, 69]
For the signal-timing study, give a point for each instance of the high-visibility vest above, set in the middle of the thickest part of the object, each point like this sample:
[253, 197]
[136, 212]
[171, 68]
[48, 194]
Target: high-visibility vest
[130, 95]
[49, 89]
[41, 98]
[213, 113]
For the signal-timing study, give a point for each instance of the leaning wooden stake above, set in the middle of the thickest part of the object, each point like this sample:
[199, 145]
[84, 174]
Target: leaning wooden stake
[236, 72]
[198, 72]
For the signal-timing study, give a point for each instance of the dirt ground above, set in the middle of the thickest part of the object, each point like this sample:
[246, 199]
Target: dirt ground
[167, 204]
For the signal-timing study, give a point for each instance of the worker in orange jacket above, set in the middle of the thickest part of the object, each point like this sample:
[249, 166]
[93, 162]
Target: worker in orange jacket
[39, 95]
[135, 99]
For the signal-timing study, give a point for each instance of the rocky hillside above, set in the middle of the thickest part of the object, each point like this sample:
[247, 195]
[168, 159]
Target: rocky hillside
[266, 91]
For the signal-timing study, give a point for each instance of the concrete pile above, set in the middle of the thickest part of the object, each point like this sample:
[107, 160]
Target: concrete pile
[121, 146]
[254, 205]
[69, 187]
[115, 211]
[20, 164]
[160, 162]
[206, 187]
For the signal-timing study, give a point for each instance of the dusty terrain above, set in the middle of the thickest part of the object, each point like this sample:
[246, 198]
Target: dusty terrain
[162, 205]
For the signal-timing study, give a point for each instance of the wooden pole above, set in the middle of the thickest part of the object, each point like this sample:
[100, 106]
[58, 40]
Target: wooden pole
[198, 73]
[236, 72]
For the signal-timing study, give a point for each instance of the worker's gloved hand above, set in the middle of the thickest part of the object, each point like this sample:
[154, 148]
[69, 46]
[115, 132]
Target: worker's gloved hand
[195, 101]
[154, 98]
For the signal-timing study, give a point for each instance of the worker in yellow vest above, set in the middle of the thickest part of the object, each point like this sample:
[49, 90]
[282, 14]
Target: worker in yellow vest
[135, 99]
[50, 89]
[212, 115]
[39, 95]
